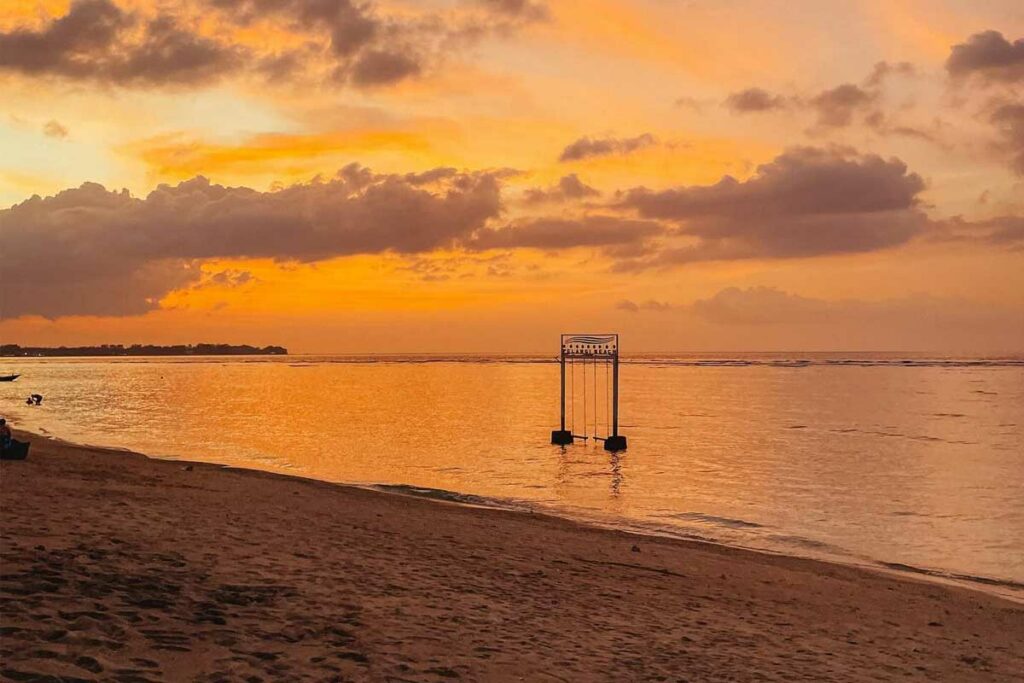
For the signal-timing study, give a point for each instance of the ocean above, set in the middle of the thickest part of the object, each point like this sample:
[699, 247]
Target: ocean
[911, 463]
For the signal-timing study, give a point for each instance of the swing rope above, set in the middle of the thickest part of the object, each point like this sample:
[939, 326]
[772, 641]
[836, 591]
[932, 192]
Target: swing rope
[607, 401]
[572, 395]
[584, 398]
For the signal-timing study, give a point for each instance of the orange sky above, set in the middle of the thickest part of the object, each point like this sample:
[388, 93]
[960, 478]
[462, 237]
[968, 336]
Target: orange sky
[480, 175]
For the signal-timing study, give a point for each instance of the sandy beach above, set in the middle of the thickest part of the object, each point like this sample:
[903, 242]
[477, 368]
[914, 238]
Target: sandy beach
[120, 567]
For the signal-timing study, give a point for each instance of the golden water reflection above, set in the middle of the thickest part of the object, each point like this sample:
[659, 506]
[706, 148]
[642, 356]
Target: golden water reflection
[919, 465]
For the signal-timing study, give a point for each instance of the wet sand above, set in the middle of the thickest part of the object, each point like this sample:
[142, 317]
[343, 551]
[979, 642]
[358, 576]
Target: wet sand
[117, 567]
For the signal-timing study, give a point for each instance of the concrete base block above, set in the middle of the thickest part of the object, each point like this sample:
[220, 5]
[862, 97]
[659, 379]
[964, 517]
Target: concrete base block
[561, 437]
[615, 443]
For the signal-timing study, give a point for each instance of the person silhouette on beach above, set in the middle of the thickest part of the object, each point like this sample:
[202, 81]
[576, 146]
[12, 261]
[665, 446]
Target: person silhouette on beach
[5, 434]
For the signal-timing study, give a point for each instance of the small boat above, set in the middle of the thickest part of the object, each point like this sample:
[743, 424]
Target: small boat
[8, 378]
[18, 450]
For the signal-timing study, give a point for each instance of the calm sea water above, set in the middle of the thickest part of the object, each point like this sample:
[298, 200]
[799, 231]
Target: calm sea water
[865, 459]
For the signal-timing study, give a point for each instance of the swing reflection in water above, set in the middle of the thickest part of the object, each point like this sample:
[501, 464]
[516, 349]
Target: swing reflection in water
[585, 350]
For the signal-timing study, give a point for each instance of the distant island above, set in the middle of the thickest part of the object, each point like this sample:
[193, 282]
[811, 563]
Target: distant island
[11, 350]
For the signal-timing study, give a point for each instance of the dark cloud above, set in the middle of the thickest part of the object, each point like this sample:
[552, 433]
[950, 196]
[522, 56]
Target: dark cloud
[754, 100]
[566, 233]
[94, 251]
[806, 202]
[835, 107]
[349, 26]
[1006, 230]
[54, 129]
[344, 41]
[1002, 231]
[96, 40]
[568, 188]
[989, 56]
[378, 67]
[1009, 122]
[587, 146]
[371, 48]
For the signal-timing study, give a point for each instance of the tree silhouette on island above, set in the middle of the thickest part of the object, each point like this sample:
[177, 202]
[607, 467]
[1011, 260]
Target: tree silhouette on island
[11, 350]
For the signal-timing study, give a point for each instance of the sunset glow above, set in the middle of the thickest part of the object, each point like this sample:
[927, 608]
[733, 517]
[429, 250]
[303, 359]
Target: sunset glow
[431, 176]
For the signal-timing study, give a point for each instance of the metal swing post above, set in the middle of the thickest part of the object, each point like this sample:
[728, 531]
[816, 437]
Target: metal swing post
[615, 442]
[562, 437]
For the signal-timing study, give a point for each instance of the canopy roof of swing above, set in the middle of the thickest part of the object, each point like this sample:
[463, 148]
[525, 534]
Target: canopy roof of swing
[590, 345]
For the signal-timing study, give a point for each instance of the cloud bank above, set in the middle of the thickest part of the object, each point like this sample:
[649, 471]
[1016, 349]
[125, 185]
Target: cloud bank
[342, 41]
[93, 251]
[806, 202]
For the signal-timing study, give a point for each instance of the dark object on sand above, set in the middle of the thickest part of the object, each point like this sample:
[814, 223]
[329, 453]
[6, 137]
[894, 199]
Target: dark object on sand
[8, 378]
[34, 399]
[17, 450]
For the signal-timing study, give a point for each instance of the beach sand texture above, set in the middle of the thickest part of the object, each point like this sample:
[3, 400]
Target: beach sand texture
[123, 568]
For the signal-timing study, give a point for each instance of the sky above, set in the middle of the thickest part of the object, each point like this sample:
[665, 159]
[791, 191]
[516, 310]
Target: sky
[346, 176]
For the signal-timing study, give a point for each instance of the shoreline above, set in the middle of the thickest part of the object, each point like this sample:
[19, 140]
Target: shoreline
[1007, 589]
[120, 565]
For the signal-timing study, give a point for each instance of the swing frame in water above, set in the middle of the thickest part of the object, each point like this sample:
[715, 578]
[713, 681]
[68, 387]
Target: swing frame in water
[595, 348]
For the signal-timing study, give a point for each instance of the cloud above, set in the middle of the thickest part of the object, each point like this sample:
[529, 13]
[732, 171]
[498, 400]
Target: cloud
[98, 41]
[377, 67]
[882, 71]
[587, 147]
[196, 42]
[93, 251]
[650, 305]
[835, 107]
[568, 188]
[1009, 122]
[691, 103]
[754, 100]
[759, 306]
[525, 9]
[54, 129]
[566, 233]
[988, 56]
[1001, 231]
[806, 202]
[903, 322]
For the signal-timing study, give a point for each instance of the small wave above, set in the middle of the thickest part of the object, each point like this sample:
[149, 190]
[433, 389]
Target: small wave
[807, 543]
[712, 519]
[899, 435]
[937, 573]
[451, 496]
